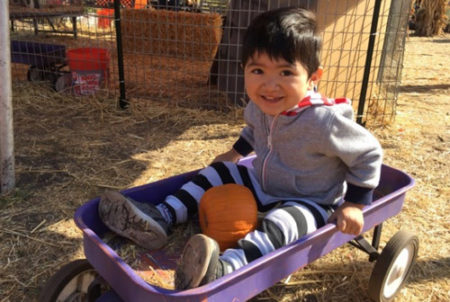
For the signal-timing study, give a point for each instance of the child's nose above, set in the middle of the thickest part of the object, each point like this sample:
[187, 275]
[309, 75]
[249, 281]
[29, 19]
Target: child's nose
[271, 83]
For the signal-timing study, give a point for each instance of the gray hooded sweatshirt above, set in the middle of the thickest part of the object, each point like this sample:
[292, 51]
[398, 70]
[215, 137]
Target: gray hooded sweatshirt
[314, 152]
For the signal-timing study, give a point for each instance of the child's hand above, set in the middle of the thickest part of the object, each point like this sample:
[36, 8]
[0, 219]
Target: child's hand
[349, 218]
[230, 155]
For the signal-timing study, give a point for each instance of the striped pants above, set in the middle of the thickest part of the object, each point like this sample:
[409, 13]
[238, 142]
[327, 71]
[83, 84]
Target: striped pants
[283, 224]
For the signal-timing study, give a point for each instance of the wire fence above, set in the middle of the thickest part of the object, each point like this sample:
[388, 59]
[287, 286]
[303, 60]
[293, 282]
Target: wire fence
[187, 53]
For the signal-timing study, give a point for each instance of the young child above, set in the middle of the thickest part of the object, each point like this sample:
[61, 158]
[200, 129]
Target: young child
[312, 160]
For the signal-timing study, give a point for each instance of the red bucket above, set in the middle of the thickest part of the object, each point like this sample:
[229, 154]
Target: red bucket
[90, 69]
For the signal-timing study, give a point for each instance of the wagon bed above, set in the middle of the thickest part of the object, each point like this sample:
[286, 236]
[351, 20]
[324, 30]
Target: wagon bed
[262, 273]
[40, 55]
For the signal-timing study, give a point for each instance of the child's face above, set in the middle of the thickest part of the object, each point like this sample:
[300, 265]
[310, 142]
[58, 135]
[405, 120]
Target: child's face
[275, 85]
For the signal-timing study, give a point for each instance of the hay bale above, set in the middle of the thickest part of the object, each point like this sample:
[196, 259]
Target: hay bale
[169, 33]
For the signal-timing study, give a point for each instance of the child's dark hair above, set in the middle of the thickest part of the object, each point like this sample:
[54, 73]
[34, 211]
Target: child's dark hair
[288, 33]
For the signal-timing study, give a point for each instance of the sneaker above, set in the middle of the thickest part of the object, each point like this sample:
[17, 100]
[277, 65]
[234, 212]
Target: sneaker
[199, 263]
[137, 221]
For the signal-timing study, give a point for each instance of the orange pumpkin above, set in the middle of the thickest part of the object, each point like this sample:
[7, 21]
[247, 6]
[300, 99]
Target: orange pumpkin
[227, 213]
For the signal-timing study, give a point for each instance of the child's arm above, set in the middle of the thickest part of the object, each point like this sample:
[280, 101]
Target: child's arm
[361, 152]
[241, 148]
[349, 218]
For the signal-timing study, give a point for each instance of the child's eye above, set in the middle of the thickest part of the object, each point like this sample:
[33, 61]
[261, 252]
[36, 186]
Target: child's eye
[286, 73]
[256, 71]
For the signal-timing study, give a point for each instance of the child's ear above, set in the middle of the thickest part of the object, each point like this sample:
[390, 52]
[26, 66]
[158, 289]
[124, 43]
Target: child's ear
[314, 79]
[317, 75]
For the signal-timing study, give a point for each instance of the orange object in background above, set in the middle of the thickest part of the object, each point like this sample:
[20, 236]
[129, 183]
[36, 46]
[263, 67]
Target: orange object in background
[105, 14]
[104, 17]
[125, 3]
[140, 4]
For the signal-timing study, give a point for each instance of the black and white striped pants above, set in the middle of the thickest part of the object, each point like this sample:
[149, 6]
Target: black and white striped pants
[287, 222]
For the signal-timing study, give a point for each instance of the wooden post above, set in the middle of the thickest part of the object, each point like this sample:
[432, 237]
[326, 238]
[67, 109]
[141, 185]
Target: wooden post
[7, 177]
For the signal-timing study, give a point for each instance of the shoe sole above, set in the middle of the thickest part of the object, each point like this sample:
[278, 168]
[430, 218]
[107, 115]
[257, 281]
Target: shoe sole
[198, 260]
[125, 219]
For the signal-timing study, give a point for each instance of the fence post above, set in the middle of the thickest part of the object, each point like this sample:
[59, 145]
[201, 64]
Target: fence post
[398, 18]
[123, 103]
[7, 177]
[368, 65]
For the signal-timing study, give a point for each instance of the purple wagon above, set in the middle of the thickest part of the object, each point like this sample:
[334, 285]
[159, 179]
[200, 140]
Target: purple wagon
[104, 276]
[46, 62]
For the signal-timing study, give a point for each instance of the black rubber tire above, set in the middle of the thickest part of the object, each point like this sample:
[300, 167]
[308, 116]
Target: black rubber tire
[62, 82]
[51, 76]
[34, 74]
[386, 262]
[80, 268]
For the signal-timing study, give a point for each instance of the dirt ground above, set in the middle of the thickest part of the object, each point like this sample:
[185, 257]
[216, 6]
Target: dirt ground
[69, 151]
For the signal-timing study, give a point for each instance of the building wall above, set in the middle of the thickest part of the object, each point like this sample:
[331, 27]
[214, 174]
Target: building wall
[346, 31]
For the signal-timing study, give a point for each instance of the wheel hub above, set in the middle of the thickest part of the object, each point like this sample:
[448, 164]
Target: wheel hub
[398, 272]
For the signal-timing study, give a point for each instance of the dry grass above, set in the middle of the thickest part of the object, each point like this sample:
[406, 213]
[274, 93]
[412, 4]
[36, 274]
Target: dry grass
[68, 150]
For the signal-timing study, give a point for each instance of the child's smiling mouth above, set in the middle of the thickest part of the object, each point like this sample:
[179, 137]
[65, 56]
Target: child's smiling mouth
[271, 99]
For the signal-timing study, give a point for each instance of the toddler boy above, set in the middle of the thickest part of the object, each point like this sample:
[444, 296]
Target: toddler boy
[313, 160]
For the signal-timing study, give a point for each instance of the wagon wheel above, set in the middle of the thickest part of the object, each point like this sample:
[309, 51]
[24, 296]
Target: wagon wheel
[76, 281]
[34, 74]
[393, 266]
[62, 82]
